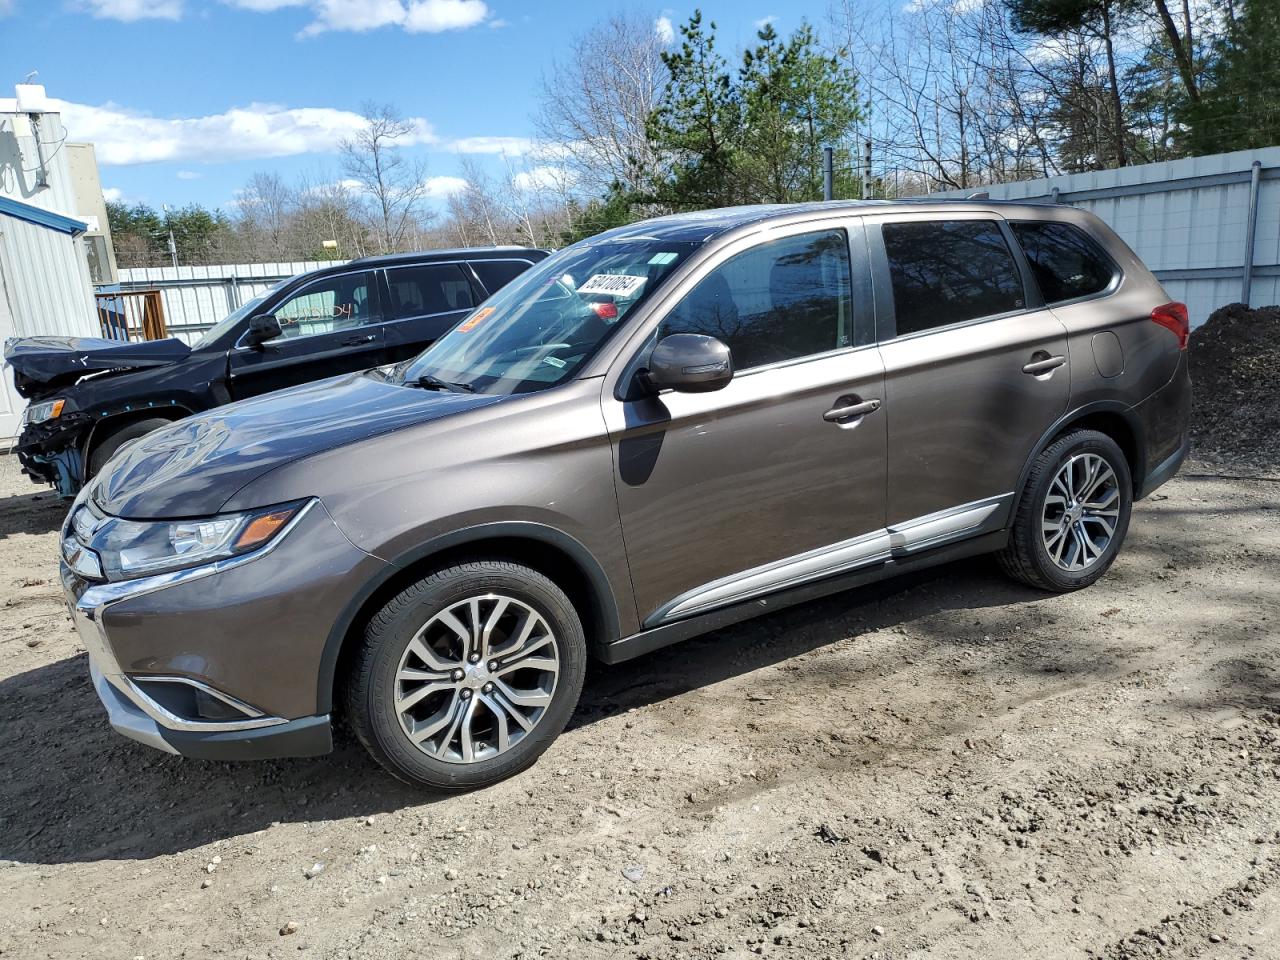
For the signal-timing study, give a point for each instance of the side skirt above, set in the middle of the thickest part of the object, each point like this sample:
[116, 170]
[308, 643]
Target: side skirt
[646, 641]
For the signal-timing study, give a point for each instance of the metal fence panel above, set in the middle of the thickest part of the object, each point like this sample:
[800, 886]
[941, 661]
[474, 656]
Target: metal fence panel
[197, 297]
[1187, 219]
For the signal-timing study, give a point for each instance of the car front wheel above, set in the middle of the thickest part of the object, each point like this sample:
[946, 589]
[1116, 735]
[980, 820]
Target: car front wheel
[1073, 515]
[467, 676]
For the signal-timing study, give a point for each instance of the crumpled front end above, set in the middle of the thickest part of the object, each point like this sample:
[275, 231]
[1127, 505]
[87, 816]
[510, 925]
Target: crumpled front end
[52, 452]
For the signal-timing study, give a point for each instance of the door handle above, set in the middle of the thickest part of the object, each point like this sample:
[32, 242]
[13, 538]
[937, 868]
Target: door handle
[836, 414]
[1036, 367]
[356, 341]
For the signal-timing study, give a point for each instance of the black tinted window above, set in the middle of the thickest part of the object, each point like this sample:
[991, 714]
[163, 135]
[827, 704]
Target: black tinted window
[496, 274]
[431, 288]
[1065, 262]
[949, 271]
[778, 301]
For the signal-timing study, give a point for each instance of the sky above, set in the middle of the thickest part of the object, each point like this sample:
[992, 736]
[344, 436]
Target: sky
[185, 99]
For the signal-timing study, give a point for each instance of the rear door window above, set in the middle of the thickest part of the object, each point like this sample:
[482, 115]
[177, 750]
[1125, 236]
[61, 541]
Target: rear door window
[427, 289]
[949, 271]
[782, 300]
[1065, 261]
[496, 274]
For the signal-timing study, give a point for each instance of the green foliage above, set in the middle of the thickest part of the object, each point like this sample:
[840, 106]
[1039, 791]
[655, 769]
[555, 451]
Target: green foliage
[697, 125]
[754, 136]
[141, 235]
[1239, 106]
[616, 209]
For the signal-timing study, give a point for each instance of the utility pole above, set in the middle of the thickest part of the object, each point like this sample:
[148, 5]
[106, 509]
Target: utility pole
[828, 173]
[866, 169]
[173, 246]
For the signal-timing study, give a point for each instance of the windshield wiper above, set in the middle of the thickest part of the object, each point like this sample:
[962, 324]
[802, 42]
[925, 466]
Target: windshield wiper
[429, 382]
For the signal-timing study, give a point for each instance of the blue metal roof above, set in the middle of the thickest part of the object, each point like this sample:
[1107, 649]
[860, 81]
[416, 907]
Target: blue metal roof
[41, 217]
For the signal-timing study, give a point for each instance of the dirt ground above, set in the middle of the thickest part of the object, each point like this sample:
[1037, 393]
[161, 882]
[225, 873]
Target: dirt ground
[947, 765]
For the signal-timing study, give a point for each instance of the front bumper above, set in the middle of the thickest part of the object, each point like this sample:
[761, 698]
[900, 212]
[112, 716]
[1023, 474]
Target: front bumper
[247, 636]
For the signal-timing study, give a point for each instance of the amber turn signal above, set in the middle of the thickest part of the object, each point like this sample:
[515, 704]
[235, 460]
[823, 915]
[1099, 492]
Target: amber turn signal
[263, 528]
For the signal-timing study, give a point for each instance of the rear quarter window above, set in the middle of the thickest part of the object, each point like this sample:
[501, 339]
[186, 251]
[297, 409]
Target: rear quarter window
[1066, 262]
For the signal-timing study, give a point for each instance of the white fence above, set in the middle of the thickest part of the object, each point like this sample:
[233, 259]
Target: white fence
[1208, 227]
[195, 298]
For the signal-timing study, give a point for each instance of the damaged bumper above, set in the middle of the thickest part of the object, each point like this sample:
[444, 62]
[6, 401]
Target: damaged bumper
[51, 453]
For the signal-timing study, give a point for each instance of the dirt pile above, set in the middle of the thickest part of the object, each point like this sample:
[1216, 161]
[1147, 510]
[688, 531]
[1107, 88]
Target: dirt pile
[1235, 369]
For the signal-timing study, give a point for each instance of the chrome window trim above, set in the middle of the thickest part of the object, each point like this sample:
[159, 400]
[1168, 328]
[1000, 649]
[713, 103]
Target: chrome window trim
[896, 540]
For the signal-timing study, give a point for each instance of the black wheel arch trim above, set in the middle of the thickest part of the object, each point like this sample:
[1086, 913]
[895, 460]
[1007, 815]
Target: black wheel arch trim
[1137, 469]
[528, 530]
[153, 408]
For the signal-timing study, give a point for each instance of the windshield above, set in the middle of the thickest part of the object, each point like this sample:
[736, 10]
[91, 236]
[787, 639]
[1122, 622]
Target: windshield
[542, 327]
[219, 329]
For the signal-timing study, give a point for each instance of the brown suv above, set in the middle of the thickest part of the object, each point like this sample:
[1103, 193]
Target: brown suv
[658, 431]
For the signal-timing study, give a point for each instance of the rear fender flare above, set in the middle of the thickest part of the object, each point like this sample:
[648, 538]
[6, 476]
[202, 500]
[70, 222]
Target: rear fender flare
[1138, 468]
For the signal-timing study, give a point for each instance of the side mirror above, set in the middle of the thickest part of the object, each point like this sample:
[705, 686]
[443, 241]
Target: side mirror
[690, 363]
[262, 328]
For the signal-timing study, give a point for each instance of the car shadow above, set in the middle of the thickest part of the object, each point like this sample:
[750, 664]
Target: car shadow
[41, 511]
[74, 791]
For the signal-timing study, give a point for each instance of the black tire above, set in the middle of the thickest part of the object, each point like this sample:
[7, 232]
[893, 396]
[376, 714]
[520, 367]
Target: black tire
[106, 448]
[370, 687]
[1027, 558]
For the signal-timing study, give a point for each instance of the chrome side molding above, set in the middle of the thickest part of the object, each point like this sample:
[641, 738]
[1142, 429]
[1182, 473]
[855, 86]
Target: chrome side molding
[896, 540]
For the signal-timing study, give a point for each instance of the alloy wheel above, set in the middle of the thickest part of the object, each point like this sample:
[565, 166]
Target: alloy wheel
[1081, 510]
[476, 678]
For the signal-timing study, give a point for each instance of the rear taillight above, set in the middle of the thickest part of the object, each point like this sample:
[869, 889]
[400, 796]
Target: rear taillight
[1173, 316]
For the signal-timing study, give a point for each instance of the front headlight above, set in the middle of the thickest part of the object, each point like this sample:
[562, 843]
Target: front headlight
[42, 411]
[135, 548]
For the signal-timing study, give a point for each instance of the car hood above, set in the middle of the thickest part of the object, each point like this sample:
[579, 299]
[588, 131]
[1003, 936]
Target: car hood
[51, 361]
[195, 466]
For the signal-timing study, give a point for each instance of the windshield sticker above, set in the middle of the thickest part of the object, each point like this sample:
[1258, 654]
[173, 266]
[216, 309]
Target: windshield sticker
[474, 320]
[555, 362]
[661, 259]
[615, 284]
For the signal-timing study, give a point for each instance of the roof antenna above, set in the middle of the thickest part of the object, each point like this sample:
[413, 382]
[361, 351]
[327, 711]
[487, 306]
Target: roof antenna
[980, 195]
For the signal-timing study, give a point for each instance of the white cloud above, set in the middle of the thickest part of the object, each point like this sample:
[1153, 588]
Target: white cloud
[664, 29]
[546, 177]
[266, 6]
[441, 187]
[512, 146]
[436, 16]
[112, 194]
[765, 21]
[188, 175]
[130, 10]
[123, 136]
[415, 16]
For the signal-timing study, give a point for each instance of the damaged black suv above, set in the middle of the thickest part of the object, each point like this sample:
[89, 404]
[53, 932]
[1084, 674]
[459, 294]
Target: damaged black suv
[89, 397]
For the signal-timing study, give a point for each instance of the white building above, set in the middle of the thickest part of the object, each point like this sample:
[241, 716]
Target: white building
[46, 287]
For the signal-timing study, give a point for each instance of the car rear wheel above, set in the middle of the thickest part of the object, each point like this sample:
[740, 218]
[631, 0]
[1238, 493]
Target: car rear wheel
[106, 448]
[467, 676]
[1073, 515]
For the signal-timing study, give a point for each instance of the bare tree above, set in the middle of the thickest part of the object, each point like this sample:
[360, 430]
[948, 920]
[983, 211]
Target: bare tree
[596, 102]
[394, 185]
[265, 207]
